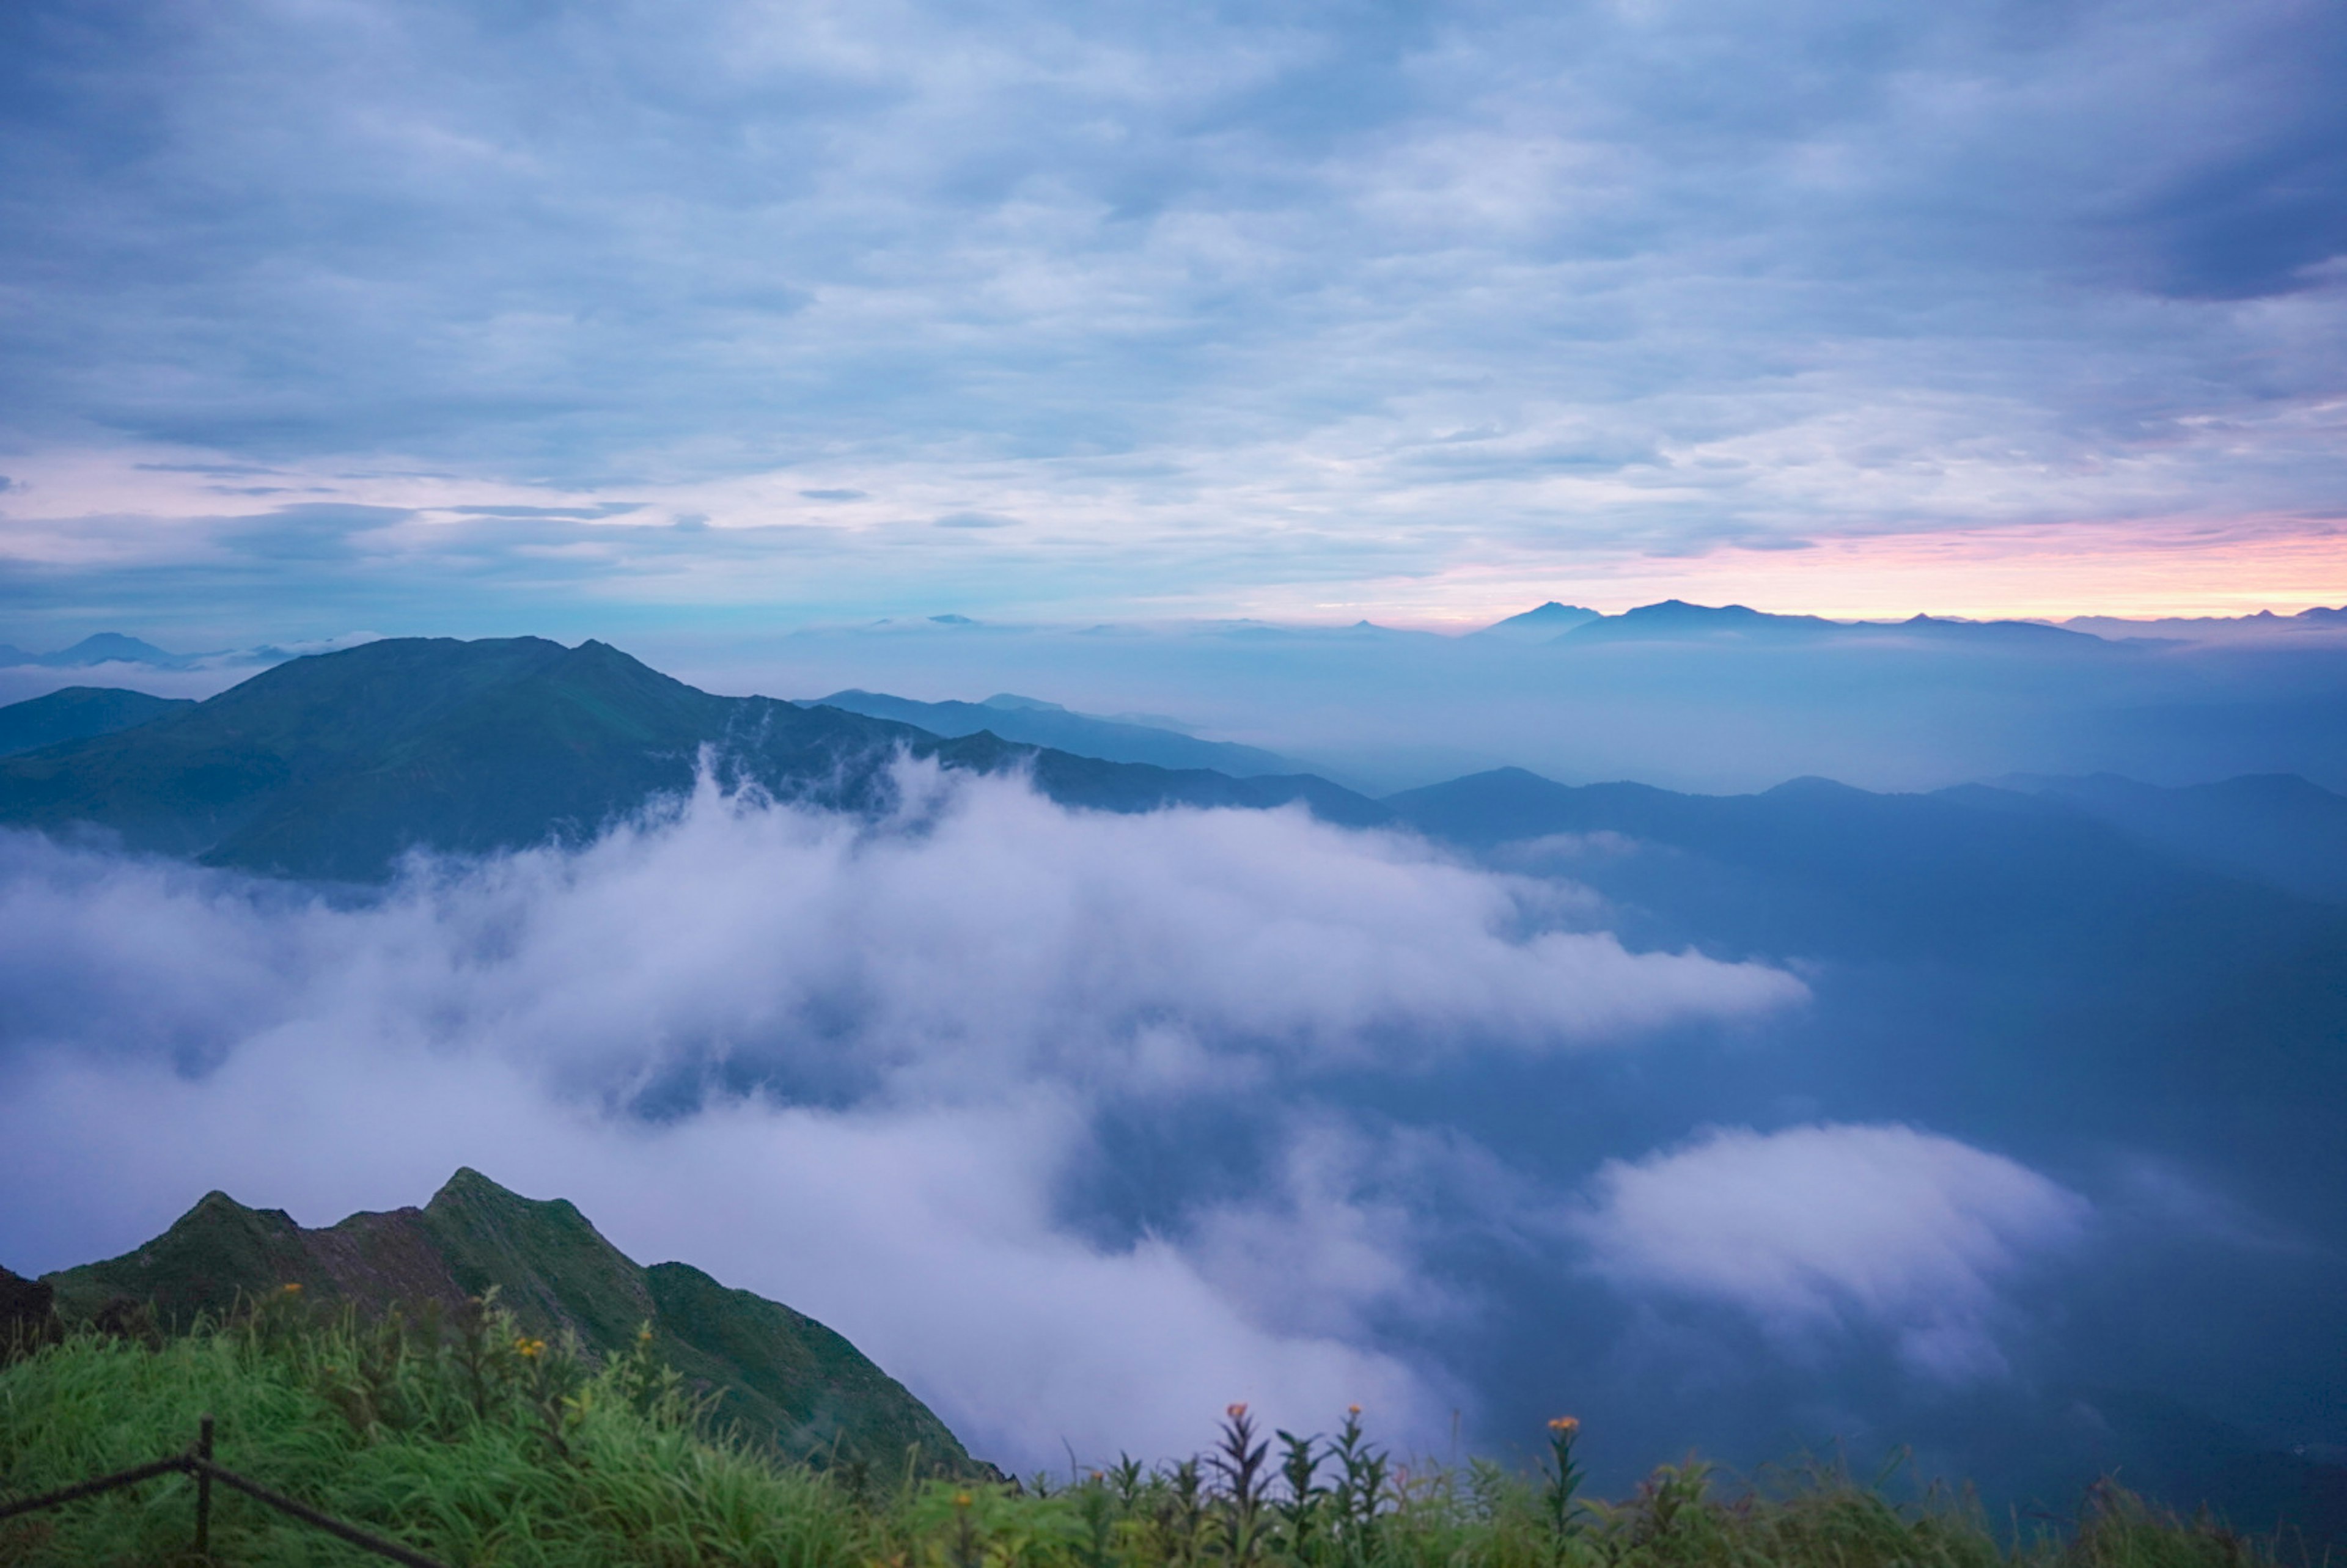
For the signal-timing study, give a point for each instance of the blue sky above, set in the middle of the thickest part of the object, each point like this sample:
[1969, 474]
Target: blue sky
[316, 316]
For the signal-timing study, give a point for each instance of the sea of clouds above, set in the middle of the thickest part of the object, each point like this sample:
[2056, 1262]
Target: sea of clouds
[1081, 1124]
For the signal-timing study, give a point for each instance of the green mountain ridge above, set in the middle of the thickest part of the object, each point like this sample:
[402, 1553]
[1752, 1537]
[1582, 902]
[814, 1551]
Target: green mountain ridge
[778, 1375]
[335, 765]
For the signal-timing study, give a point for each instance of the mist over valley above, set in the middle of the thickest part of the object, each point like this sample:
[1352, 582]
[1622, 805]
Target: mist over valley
[1086, 1094]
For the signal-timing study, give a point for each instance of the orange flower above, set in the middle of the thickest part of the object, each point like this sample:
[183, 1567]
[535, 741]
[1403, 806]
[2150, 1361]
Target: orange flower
[1564, 1425]
[1352, 1409]
[1234, 1411]
[292, 1288]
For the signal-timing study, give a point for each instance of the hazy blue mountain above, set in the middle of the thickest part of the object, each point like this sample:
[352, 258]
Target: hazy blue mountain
[335, 765]
[2052, 953]
[109, 648]
[2317, 619]
[1676, 620]
[1040, 723]
[783, 1376]
[2276, 827]
[1540, 625]
[74, 713]
[2009, 970]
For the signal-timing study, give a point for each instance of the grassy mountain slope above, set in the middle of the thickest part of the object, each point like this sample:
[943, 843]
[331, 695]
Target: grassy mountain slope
[333, 766]
[75, 713]
[780, 1376]
[474, 1469]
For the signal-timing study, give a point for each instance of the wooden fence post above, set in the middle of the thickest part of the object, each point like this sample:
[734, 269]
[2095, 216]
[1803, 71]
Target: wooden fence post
[204, 1487]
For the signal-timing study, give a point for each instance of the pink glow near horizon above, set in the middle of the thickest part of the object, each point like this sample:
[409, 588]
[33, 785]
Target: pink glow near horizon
[2122, 572]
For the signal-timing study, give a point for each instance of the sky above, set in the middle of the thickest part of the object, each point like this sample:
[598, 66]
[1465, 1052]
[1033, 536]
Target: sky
[319, 316]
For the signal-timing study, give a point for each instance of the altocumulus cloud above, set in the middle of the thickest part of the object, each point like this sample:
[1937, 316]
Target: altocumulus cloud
[1238, 298]
[1815, 1226]
[850, 1066]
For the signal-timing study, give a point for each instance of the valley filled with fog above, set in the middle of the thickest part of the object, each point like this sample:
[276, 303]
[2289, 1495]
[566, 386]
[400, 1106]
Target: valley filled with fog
[2002, 1121]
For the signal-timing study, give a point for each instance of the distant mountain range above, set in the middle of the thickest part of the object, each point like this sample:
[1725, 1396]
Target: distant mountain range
[1676, 620]
[106, 648]
[780, 1377]
[1671, 620]
[2265, 621]
[333, 766]
[1030, 722]
[114, 648]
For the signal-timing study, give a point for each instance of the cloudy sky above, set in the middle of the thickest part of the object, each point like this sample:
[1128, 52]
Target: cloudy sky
[325, 315]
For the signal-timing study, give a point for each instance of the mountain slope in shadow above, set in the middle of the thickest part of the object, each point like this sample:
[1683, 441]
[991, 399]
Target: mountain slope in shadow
[77, 712]
[2276, 828]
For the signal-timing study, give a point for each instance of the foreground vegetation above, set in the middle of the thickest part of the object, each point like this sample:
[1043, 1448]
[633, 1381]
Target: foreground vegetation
[465, 1439]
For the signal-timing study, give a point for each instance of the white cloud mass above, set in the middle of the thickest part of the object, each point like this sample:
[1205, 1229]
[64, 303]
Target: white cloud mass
[850, 1066]
[1822, 1225]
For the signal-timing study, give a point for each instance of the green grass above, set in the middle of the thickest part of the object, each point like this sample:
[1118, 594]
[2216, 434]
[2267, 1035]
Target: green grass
[468, 1440]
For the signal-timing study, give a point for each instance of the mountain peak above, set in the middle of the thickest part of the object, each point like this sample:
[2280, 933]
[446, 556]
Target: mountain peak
[771, 1369]
[1549, 620]
[468, 1185]
[110, 648]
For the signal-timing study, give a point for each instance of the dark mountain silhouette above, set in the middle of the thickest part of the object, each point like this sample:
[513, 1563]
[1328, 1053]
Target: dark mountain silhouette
[75, 713]
[335, 765]
[783, 1376]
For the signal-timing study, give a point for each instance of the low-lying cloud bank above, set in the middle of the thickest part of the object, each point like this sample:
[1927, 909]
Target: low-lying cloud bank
[865, 1069]
[1812, 1226]
[982, 937]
